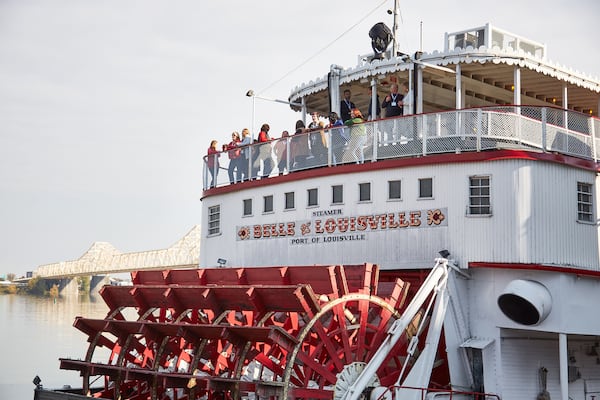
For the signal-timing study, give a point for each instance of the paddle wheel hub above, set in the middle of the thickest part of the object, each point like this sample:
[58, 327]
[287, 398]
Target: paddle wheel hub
[280, 332]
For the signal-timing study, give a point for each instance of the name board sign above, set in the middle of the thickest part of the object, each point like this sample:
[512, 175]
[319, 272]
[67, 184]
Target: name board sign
[331, 226]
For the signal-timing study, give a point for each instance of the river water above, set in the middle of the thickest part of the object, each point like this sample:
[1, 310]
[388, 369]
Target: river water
[34, 334]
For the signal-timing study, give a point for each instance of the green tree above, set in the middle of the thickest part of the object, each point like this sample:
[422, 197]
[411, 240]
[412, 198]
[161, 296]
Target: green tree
[53, 292]
[84, 284]
[36, 287]
[8, 289]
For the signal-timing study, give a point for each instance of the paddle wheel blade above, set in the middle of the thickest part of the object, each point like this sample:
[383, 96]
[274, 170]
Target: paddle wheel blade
[281, 332]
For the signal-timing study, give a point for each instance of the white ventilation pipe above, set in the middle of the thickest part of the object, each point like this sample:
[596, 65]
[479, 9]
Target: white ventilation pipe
[525, 302]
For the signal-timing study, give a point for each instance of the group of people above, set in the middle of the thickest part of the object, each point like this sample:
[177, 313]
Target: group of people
[396, 103]
[242, 166]
[238, 165]
[308, 146]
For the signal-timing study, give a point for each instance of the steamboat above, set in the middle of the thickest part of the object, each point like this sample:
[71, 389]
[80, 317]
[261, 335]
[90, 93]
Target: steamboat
[459, 260]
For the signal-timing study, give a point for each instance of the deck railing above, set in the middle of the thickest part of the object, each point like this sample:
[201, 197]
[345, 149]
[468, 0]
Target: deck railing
[545, 129]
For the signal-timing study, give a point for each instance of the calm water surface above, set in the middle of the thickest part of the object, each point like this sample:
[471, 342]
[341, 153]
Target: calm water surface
[34, 334]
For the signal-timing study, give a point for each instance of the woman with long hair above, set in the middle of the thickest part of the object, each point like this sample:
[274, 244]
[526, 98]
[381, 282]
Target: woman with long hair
[234, 153]
[265, 153]
[358, 137]
[212, 162]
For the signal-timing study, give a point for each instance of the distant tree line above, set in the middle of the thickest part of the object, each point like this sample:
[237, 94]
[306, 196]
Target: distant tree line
[37, 287]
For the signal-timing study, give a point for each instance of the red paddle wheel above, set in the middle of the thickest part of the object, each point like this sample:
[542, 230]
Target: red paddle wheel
[280, 332]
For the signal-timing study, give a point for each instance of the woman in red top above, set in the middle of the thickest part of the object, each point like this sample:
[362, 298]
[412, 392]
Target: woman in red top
[234, 152]
[212, 162]
[264, 153]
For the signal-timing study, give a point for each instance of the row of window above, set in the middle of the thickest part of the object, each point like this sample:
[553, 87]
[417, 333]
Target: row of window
[337, 195]
[479, 199]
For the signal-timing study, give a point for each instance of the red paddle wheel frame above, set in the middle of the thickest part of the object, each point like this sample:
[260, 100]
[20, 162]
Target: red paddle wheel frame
[276, 332]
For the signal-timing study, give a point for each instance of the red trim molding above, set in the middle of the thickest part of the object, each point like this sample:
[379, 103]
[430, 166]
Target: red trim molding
[446, 158]
[537, 267]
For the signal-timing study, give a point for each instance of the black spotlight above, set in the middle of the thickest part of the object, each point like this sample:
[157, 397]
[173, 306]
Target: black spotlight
[444, 253]
[37, 382]
[381, 36]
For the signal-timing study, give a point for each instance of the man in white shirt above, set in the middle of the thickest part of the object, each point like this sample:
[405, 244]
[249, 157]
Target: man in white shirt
[407, 100]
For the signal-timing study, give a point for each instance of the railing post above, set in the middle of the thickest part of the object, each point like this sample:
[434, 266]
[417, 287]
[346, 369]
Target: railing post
[458, 125]
[205, 173]
[479, 127]
[329, 147]
[423, 119]
[591, 129]
[288, 155]
[544, 128]
[250, 149]
[375, 141]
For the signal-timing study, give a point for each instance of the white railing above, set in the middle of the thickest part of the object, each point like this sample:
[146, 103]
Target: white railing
[543, 129]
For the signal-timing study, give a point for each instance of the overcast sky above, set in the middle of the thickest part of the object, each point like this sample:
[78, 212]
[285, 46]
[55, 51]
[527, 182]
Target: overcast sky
[107, 107]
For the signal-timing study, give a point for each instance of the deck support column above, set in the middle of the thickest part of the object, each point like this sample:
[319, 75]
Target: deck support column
[564, 366]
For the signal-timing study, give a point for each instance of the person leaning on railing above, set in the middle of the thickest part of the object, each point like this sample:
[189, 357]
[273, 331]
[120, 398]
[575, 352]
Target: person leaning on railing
[339, 137]
[212, 162]
[244, 159]
[358, 137]
[407, 99]
[281, 152]
[264, 153]
[318, 144]
[299, 147]
[234, 153]
[392, 103]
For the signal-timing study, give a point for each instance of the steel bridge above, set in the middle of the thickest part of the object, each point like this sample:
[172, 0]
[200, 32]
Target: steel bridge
[102, 259]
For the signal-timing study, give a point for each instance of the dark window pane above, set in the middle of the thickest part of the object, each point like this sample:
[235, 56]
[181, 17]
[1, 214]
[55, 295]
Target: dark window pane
[426, 188]
[313, 198]
[364, 191]
[268, 201]
[394, 190]
[248, 207]
[337, 194]
[290, 202]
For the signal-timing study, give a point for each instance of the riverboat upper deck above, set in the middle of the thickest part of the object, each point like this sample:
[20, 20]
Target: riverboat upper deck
[488, 89]
[532, 128]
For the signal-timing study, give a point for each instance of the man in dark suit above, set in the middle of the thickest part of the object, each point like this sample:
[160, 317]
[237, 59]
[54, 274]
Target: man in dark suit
[346, 105]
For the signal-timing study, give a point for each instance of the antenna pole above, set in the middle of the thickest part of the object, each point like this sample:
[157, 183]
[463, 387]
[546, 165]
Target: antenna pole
[396, 45]
[421, 37]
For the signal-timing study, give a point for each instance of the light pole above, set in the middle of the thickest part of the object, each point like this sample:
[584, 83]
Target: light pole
[250, 93]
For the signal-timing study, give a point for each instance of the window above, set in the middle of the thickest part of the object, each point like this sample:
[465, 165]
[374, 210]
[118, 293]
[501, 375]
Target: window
[394, 190]
[364, 191]
[479, 195]
[313, 197]
[584, 202]
[268, 204]
[337, 194]
[290, 201]
[214, 220]
[247, 207]
[426, 188]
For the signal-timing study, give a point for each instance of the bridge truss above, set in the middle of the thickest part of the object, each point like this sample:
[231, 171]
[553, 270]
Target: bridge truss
[103, 258]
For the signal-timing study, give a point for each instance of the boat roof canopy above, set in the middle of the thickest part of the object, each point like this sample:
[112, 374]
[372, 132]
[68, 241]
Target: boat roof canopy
[487, 58]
